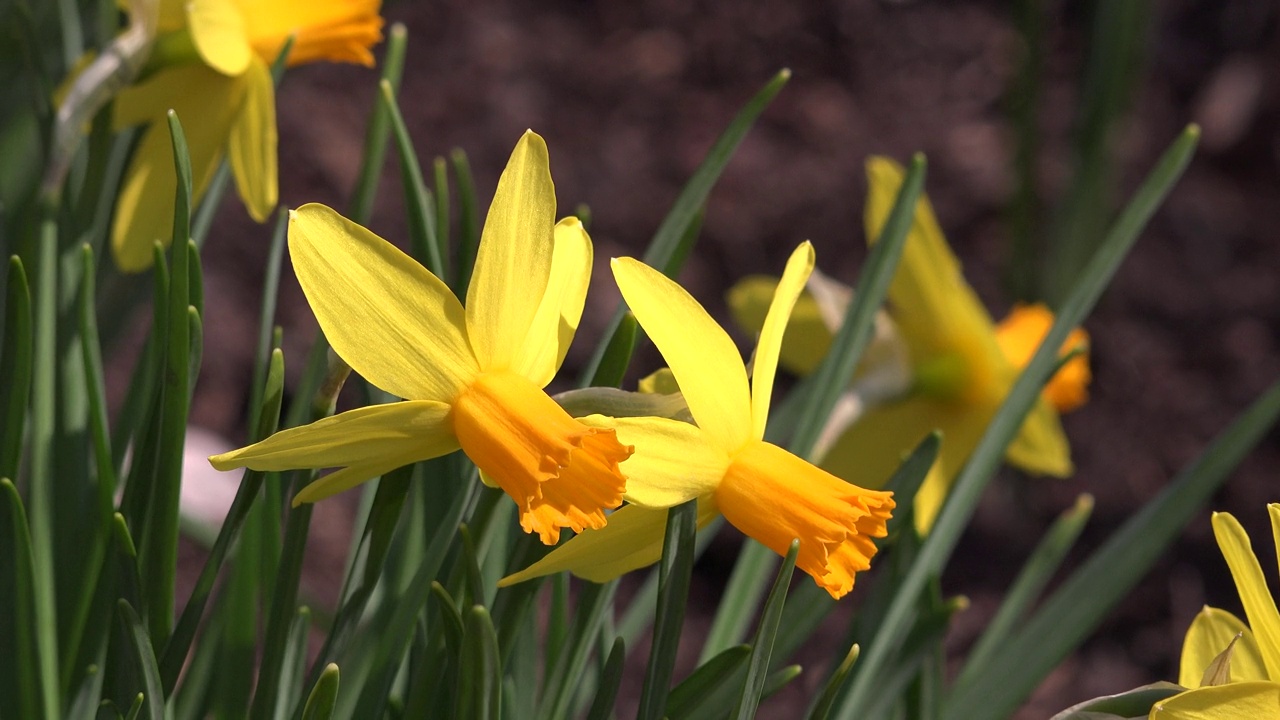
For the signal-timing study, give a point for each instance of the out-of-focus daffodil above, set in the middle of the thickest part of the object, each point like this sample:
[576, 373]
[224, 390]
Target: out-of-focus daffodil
[1233, 669]
[722, 460]
[210, 65]
[472, 377]
[959, 364]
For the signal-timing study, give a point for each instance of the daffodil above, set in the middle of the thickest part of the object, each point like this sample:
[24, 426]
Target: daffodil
[211, 65]
[1233, 669]
[959, 364]
[472, 377]
[721, 459]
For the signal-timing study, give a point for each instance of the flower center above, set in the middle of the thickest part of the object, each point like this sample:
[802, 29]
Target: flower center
[775, 497]
[560, 472]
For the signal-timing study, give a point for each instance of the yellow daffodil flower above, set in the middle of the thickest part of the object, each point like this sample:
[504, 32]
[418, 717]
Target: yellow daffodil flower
[722, 460]
[472, 376]
[1218, 641]
[212, 62]
[961, 365]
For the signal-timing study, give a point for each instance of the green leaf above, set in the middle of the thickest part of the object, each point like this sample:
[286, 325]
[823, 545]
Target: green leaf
[674, 572]
[1025, 591]
[266, 318]
[418, 200]
[471, 567]
[594, 603]
[822, 708]
[609, 682]
[159, 536]
[989, 453]
[179, 644]
[468, 224]
[692, 694]
[24, 652]
[673, 238]
[145, 659]
[762, 645]
[480, 669]
[440, 172]
[324, 695]
[617, 354]
[375, 138]
[15, 367]
[293, 664]
[1080, 603]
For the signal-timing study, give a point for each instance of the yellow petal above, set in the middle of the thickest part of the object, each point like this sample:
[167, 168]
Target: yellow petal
[806, 340]
[765, 366]
[554, 325]
[513, 261]
[672, 462]
[560, 472]
[873, 447]
[1221, 702]
[337, 30]
[365, 442]
[1210, 633]
[395, 323]
[631, 540]
[219, 32]
[1273, 510]
[252, 148]
[703, 359]
[1041, 447]
[775, 497]
[206, 104]
[1259, 606]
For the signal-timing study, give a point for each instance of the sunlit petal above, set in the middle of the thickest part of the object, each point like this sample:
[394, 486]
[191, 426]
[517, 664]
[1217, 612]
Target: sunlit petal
[354, 437]
[1041, 446]
[631, 540]
[252, 146]
[807, 337]
[702, 357]
[513, 260]
[672, 462]
[206, 104]
[1259, 606]
[1222, 702]
[768, 347]
[1210, 633]
[553, 327]
[395, 323]
[218, 29]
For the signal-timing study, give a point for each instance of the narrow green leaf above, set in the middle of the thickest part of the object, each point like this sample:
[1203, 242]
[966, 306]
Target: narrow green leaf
[1129, 704]
[1025, 591]
[557, 618]
[440, 171]
[988, 455]
[375, 138]
[1076, 608]
[179, 644]
[266, 319]
[468, 223]
[159, 551]
[418, 201]
[594, 603]
[451, 617]
[919, 647]
[195, 278]
[40, 498]
[471, 567]
[25, 661]
[762, 645]
[480, 670]
[145, 659]
[324, 696]
[135, 710]
[608, 683]
[673, 237]
[15, 367]
[293, 664]
[617, 354]
[675, 570]
[691, 694]
[822, 708]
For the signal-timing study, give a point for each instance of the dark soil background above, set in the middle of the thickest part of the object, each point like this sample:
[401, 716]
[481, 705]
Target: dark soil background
[631, 95]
